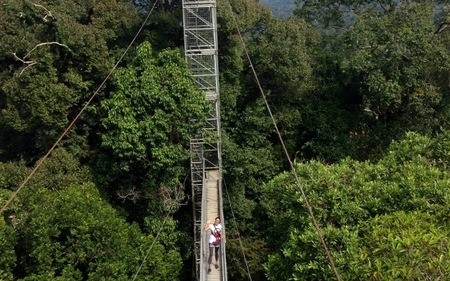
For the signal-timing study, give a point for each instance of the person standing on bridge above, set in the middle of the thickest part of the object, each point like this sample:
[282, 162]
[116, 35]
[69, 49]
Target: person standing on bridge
[215, 238]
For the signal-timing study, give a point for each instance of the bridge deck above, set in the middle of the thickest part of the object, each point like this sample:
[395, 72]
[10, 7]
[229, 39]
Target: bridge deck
[212, 211]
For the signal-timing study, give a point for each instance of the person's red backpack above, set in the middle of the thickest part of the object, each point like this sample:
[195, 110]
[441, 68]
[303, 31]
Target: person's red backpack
[217, 235]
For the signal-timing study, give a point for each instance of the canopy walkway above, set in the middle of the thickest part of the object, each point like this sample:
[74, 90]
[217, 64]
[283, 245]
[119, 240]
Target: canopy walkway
[200, 42]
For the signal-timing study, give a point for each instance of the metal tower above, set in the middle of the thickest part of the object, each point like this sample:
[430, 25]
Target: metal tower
[200, 42]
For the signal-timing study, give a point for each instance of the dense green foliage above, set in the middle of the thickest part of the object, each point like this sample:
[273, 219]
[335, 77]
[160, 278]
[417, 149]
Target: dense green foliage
[360, 93]
[383, 221]
[52, 56]
[67, 231]
[146, 129]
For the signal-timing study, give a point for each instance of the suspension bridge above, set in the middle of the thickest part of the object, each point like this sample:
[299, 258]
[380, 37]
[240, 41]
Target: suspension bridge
[201, 47]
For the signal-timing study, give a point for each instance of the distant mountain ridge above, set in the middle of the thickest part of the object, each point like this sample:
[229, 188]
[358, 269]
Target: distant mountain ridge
[280, 8]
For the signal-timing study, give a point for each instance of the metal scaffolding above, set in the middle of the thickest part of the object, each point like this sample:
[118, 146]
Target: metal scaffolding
[201, 46]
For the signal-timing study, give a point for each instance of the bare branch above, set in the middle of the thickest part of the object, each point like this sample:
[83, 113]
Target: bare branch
[172, 196]
[22, 60]
[48, 14]
[28, 62]
[441, 28]
[385, 10]
[131, 194]
[46, 43]
[32, 62]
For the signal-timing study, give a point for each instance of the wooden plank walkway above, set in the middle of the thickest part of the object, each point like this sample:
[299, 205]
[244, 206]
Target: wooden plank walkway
[212, 211]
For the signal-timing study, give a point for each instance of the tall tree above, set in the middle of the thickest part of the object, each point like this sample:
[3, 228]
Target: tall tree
[62, 229]
[75, 227]
[52, 55]
[147, 123]
[374, 216]
[398, 72]
[376, 79]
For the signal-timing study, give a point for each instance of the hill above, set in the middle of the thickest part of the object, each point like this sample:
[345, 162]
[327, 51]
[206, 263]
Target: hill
[280, 8]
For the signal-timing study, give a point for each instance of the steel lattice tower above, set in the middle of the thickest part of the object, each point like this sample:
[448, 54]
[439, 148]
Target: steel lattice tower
[201, 47]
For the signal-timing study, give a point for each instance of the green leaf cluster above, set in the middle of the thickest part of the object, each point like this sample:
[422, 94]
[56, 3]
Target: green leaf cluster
[381, 221]
[147, 123]
[66, 230]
